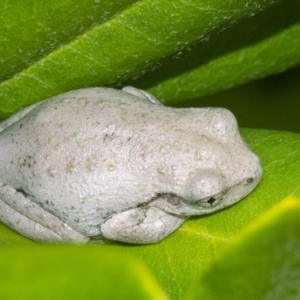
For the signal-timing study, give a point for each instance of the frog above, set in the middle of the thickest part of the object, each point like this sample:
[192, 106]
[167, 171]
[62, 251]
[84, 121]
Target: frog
[103, 164]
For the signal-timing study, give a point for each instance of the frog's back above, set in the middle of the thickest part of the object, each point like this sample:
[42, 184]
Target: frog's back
[68, 120]
[73, 153]
[77, 132]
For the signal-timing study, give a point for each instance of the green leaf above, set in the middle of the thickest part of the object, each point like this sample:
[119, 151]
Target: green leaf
[45, 27]
[253, 48]
[66, 272]
[261, 263]
[101, 48]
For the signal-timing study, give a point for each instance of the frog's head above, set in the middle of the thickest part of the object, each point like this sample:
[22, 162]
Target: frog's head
[221, 170]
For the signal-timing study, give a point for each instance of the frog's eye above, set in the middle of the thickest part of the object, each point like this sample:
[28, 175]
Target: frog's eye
[210, 201]
[204, 187]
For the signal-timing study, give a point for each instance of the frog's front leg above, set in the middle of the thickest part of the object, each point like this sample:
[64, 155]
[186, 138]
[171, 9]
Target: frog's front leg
[29, 219]
[142, 225]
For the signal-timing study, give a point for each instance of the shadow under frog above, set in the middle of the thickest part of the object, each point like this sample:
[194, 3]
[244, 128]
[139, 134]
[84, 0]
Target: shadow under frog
[117, 164]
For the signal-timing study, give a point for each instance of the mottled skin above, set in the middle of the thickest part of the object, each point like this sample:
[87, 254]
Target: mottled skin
[104, 163]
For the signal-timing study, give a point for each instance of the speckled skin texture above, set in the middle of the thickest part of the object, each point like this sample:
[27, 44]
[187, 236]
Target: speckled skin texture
[103, 163]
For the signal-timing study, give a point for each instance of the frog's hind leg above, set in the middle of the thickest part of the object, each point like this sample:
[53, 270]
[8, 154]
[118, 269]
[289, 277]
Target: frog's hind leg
[24, 225]
[143, 225]
[32, 221]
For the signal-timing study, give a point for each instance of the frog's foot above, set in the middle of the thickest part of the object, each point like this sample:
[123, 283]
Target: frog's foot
[144, 225]
[32, 221]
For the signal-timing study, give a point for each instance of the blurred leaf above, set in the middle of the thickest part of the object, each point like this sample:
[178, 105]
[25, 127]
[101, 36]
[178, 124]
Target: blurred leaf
[66, 272]
[10, 237]
[102, 48]
[261, 263]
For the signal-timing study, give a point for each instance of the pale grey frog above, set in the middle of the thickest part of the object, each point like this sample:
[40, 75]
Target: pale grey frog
[100, 163]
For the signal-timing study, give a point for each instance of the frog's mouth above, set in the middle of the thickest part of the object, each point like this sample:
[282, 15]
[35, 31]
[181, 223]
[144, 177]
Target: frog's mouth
[175, 204]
